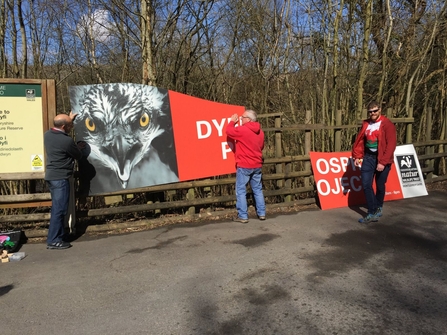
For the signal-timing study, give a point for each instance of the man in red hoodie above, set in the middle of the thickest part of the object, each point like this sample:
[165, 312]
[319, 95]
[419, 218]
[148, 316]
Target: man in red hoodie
[373, 150]
[249, 142]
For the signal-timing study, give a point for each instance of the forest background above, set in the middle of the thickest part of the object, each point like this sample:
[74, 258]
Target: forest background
[273, 56]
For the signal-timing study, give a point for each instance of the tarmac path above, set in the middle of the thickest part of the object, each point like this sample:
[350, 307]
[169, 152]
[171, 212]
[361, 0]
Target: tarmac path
[312, 272]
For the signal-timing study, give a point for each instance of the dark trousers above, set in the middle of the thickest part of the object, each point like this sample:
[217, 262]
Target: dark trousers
[60, 195]
[368, 172]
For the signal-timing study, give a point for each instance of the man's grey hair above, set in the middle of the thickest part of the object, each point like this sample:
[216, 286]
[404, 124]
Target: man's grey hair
[251, 114]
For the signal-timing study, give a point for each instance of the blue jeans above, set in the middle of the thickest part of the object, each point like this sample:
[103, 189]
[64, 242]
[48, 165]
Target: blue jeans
[368, 172]
[243, 177]
[60, 195]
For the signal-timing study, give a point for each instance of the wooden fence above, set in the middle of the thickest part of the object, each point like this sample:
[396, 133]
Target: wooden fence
[287, 178]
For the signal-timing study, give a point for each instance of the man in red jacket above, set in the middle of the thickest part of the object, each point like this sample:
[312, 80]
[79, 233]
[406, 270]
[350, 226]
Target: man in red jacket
[249, 142]
[373, 150]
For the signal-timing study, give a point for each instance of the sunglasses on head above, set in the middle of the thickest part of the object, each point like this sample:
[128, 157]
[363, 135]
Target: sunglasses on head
[374, 110]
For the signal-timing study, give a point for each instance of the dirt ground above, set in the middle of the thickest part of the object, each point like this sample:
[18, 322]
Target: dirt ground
[438, 186]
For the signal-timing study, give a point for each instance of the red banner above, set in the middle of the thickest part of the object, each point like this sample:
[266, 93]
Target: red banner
[139, 135]
[199, 134]
[338, 180]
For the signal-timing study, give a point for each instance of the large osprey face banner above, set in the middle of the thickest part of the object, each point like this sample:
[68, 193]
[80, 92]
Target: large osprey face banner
[139, 135]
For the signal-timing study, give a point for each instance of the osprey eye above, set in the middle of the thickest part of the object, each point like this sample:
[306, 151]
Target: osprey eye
[90, 124]
[144, 120]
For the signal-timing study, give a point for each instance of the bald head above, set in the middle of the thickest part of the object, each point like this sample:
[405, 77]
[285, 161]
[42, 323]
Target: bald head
[63, 121]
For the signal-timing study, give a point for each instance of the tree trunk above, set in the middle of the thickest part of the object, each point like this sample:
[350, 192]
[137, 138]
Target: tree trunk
[3, 58]
[15, 62]
[24, 71]
[147, 18]
[367, 19]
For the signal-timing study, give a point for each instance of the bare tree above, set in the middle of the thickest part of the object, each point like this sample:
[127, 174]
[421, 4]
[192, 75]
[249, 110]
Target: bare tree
[24, 41]
[13, 31]
[3, 58]
[147, 19]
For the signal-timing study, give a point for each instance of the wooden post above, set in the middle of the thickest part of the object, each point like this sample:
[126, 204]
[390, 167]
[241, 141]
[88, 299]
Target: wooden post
[190, 196]
[288, 183]
[278, 138]
[337, 135]
[50, 93]
[307, 145]
[409, 130]
[389, 113]
[278, 150]
[430, 148]
[209, 194]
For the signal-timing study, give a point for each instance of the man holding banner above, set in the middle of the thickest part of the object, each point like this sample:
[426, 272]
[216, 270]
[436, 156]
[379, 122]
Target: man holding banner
[249, 142]
[373, 150]
[61, 153]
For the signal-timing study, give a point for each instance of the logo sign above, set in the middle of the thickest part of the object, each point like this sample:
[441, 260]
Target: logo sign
[30, 94]
[410, 174]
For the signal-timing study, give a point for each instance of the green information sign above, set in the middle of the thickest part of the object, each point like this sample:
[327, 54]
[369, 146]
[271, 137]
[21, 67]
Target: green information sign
[21, 124]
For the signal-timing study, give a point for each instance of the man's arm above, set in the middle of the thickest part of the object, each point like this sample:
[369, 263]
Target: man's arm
[358, 146]
[390, 143]
[231, 130]
[74, 150]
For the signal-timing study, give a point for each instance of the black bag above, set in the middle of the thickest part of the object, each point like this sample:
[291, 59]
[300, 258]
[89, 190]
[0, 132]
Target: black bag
[16, 237]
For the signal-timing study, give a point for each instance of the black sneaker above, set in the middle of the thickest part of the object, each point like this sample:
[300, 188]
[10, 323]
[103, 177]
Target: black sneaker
[262, 217]
[59, 245]
[238, 219]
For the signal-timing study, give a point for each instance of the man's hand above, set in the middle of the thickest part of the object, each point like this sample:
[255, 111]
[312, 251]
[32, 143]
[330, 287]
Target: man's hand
[380, 167]
[235, 118]
[81, 144]
[72, 115]
[358, 162]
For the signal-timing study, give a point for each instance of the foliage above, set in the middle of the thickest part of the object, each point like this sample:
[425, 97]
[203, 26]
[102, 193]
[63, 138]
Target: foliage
[286, 56]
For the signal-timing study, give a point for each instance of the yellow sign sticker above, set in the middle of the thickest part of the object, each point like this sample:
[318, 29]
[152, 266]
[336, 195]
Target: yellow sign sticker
[36, 162]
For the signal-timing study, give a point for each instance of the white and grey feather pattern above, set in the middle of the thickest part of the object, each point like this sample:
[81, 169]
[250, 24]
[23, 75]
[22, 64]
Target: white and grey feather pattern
[120, 123]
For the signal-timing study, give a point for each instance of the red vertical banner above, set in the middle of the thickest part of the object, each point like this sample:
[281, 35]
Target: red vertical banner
[338, 180]
[201, 145]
